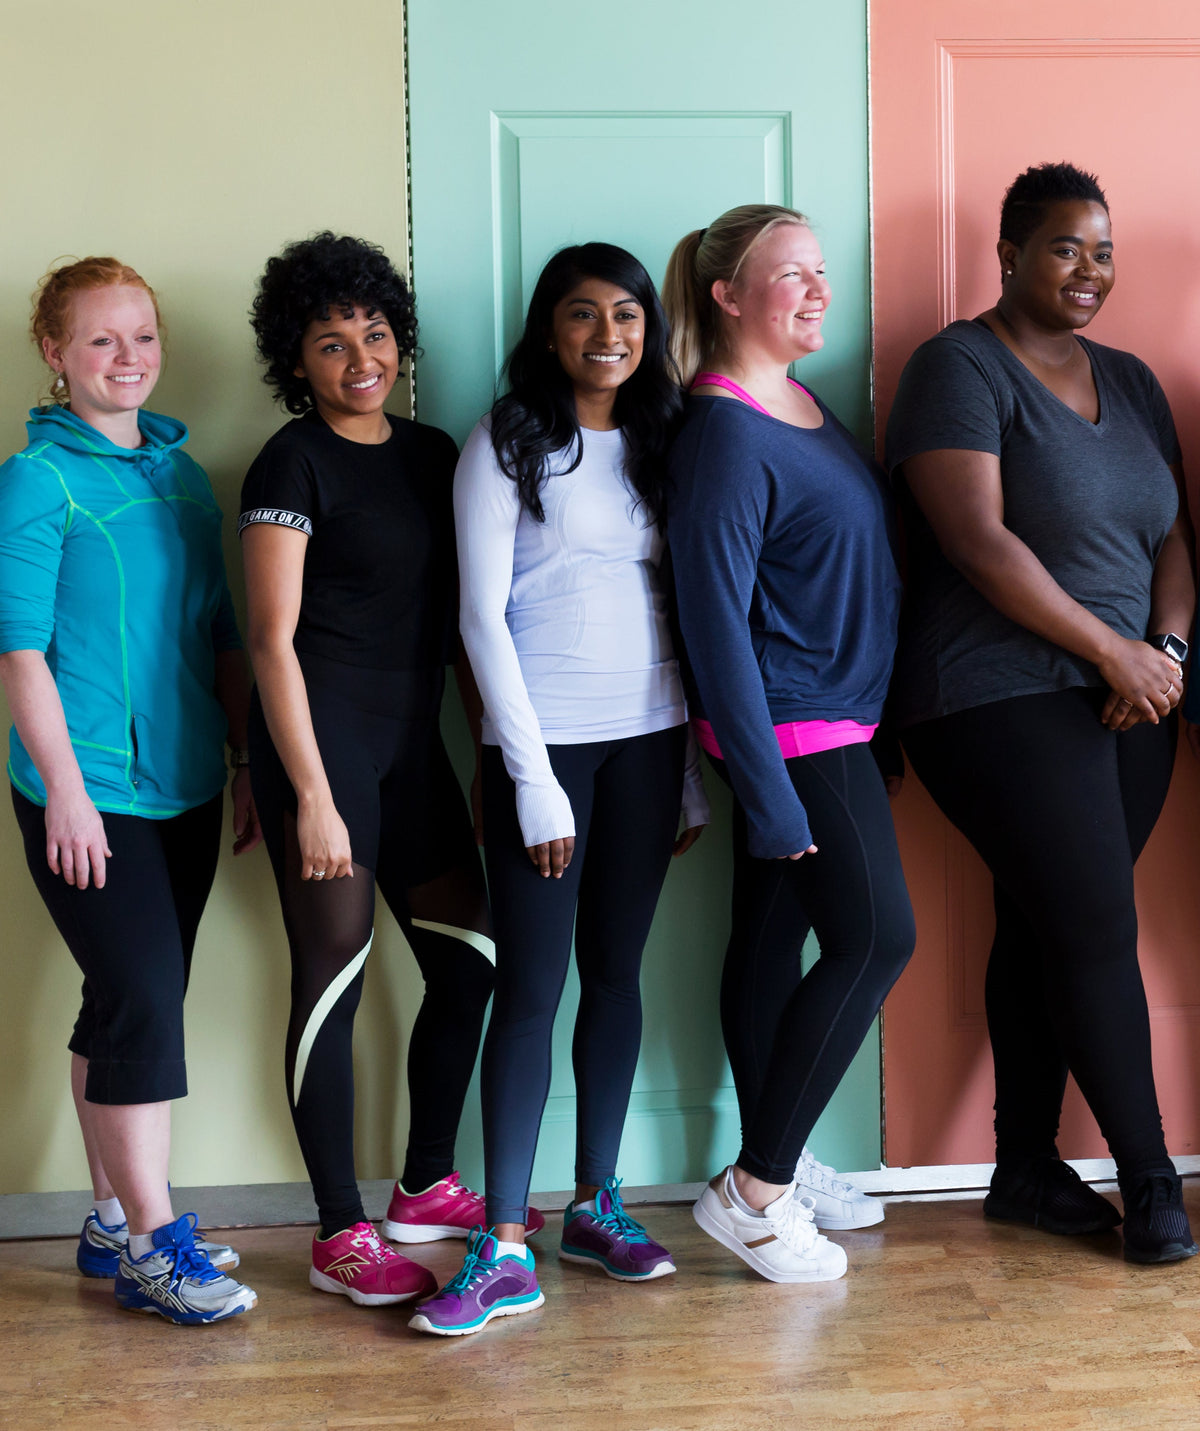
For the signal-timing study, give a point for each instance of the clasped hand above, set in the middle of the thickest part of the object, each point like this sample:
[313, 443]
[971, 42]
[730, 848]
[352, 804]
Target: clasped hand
[1145, 684]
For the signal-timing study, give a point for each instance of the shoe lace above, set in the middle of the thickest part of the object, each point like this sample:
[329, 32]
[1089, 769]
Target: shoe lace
[475, 1264]
[793, 1224]
[467, 1195]
[192, 1261]
[1154, 1192]
[823, 1176]
[366, 1237]
[617, 1220]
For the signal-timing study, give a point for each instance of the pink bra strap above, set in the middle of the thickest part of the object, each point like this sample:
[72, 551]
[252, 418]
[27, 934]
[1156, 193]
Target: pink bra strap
[716, 380]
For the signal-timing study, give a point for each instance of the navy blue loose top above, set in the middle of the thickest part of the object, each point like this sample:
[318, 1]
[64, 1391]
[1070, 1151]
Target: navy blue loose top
[781, 542]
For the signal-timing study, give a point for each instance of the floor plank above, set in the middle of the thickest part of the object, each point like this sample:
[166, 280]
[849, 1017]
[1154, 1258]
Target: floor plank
[943, 1323]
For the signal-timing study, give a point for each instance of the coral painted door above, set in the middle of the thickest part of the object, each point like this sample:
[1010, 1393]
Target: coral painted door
[965, 96]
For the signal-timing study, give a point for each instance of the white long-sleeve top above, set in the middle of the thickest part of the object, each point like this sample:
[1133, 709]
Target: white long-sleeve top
[564, 621]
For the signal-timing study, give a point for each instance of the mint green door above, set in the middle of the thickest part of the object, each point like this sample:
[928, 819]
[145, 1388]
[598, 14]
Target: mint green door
[536, 124]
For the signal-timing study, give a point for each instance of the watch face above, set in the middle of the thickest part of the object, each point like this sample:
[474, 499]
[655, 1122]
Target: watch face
[1175, 646]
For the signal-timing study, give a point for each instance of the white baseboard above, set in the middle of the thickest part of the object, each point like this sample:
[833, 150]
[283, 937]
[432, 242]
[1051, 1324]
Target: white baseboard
[966, 1176]
[61, 1214]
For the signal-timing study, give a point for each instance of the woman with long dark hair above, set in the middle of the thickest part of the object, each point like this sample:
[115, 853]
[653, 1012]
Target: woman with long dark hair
[1051, 592]
[348, 540]
[559, 504]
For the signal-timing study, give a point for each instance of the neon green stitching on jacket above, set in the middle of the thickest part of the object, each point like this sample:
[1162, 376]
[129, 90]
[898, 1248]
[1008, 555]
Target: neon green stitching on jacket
[110, 563]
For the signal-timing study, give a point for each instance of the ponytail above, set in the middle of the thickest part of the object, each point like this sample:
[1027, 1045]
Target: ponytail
[702, 258]
[687, 307]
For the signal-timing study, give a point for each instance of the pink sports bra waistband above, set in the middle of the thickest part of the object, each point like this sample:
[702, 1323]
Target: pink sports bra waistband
[798, 737]
[716, 380]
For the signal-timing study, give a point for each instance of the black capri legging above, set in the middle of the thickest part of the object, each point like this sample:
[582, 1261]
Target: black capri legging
[1059, 807]
[133, 940]
[791, 1036]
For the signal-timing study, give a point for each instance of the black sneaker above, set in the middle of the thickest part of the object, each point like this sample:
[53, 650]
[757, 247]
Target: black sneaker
[1049, 1194]
[1156, 1226]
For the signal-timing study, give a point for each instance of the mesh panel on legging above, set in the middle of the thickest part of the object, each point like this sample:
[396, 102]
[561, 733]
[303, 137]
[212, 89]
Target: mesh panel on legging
[328, 926]
[446, 922]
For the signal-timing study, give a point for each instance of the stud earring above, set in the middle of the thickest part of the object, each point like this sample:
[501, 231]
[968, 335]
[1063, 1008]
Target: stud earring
[550, 347]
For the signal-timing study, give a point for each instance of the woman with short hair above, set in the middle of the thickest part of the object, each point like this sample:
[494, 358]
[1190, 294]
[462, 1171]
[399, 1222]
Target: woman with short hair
[1050, 598]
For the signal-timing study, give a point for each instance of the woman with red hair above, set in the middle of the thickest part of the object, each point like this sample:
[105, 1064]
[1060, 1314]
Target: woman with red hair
[123, 669]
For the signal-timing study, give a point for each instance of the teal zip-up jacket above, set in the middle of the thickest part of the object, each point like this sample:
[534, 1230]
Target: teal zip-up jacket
[110, 564]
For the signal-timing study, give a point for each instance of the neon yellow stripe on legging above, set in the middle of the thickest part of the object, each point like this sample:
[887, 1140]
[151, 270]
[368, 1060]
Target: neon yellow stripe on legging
[486, 946]
[321, 1012]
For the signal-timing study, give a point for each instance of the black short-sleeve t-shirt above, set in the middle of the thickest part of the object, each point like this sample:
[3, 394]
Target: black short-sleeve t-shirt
[380, 575]
[1092, 501]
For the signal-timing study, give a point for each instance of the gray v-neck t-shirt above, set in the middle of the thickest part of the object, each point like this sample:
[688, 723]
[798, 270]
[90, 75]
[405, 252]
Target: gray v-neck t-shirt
[1092, 501]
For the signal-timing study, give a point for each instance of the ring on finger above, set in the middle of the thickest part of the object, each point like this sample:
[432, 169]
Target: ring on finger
[318, 874]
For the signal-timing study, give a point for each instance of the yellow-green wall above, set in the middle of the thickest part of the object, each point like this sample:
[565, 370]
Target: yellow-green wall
[191, 138]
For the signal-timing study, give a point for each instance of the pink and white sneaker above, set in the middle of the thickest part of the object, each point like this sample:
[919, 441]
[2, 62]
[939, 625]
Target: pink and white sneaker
[447, 1209]
[356, 1264]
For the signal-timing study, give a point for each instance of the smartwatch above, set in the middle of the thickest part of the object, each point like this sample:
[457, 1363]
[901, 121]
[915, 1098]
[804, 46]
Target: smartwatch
[1175, 646]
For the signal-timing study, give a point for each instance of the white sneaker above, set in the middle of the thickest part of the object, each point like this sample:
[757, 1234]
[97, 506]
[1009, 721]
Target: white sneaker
[782, 1244]
[838, 1206]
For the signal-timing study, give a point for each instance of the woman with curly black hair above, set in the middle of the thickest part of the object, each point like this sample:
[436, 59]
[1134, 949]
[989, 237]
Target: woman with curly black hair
[559, 503]
[348, 539]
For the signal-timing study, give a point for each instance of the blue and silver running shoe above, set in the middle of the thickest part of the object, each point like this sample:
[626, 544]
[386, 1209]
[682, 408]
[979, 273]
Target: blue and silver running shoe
[177, 1280]
[611, 1239]
[487, 1286]
[100, 1248]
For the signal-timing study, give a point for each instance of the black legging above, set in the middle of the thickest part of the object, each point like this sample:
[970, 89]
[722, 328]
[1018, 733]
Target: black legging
[133, 940]
[625, 796]
[410, 834]
[791, 1036]
[1059, 807]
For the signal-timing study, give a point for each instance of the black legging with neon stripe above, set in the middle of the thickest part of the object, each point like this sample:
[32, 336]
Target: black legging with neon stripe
[410, 834]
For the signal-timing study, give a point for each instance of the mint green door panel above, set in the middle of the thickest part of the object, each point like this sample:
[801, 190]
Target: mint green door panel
[694, 164]
[534, 125]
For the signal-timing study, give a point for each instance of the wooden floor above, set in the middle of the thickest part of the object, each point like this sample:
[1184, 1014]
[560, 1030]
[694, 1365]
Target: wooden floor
[943, 1321]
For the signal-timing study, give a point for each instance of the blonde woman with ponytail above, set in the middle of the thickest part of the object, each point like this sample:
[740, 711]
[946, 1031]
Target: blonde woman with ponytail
[781, 535]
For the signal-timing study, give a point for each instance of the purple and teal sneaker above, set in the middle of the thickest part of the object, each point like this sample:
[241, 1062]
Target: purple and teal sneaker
[611, 1239]
[487, 1286]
